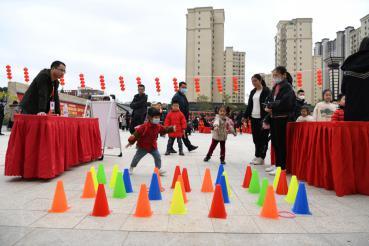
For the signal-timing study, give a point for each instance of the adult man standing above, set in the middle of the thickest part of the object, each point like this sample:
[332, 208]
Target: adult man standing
[139, 106]
[180, 97]
[42, 94]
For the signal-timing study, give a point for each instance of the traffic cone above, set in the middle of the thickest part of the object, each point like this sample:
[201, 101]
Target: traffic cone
[301, 205]
[217, 209]
[207, 183]
[269, 209]
[186, 180]
[220, 173]
[264, 187]
[276, 178]
[223, 184]
[89, 188]
[156, 170]
[113, 177]
[177, 172]
[143, 208]
[180, 179]
[60, 204]
[282, 188]
[227, 183]
[94, 177]
[154, 191]
[177, 205]
[292, 190]
[254, 186]
[127, 181]
[101, 206]
[101, 176]
[119, 189]
[246, 180]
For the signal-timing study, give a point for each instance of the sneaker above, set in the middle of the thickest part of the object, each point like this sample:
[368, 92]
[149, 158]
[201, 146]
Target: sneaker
[222, 162]
[273, 172]
[130, 170]
[167, 153]
[172, 151]
[192, 148]
[181, 152]
[253, 161]
[207, 158]
[162, 172]
[269, 169]
[259, 161]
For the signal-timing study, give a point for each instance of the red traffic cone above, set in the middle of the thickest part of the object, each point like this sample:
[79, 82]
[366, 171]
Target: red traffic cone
[217, 209]
[186, 182]
[247, 179]
[282, 188]
[177, 172]
[101, 207]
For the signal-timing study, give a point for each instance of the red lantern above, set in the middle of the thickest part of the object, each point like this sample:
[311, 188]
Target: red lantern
[319, 79]
[8, 72]
[299, 79]
[62, 82]
[102, 82]
[197, 85]
[175, 84]
[235, 84]
[219, 84]
[82, 79]
[26, 75]
[121, 81]
[157, 83]
[138, 79]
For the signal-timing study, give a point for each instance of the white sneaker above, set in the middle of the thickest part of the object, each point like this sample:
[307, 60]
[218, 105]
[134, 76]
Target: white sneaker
[259, 161]
[130, 170]
[162, 172]
[253, 161]
[273, 172]
[269, 169]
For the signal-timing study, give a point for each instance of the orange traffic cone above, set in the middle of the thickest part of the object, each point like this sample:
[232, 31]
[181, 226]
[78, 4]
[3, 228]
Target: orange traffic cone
[143, 208]
[269, 209]
[60, 200]
[101, 206]
[207, 183]
[180, 179]
[156, 170]
[89, 189]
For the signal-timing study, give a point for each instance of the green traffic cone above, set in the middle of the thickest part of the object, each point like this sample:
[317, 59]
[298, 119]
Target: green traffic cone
[101, 177]
[264, 187]
[113, 176]
[119, 189]
[254, 187]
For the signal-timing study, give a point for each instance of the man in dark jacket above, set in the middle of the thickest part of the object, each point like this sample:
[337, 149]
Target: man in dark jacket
[42, 95]
[355, 84]
[180, 97]
[139, 106]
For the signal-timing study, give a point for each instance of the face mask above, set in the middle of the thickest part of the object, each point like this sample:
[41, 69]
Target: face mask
[302, 97]
[278, 80]
[183, 90]
[155, 121]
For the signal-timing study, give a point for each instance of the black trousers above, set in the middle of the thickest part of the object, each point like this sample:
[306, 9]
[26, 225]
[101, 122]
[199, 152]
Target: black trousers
[1, 121]
[187, 141]
[171, 142]
[260, 137]
[278, 129]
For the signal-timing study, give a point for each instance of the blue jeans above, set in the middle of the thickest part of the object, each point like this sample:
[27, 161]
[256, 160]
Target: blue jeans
[140, 153]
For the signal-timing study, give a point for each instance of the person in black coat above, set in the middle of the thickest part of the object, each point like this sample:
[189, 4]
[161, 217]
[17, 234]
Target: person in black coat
[184, 106]
[280, 105]
[300, 102]
[256, 113]
[139, 106]
[42, 94]
[355, 84]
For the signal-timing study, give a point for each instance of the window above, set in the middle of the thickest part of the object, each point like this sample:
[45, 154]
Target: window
[198, 55]
[199, 30]
[198, 48]
[199, 18]
[198, 42]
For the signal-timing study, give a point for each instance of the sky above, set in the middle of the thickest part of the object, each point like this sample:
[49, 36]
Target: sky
[148, 38]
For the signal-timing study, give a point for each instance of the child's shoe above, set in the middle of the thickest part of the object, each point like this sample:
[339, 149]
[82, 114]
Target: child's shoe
[207, 158]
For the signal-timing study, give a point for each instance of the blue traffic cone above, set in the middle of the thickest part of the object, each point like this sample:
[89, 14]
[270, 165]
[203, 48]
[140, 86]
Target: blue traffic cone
[220, 173]
[301, 205]
[127, 181]
[224, 189]
[154, 192]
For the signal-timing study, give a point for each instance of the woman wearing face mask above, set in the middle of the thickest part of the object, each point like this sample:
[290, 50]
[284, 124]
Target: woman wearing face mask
[300, 102]
[280, 105]
[255, 112]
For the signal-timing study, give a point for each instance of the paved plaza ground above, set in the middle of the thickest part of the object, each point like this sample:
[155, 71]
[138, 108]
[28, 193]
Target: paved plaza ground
[24, 203]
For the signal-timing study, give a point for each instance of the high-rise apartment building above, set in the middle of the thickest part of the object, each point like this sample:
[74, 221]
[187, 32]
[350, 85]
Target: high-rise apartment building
[234, 66]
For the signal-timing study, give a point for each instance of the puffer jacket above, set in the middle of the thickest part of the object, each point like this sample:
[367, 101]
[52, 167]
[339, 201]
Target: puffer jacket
[222, 127]
[176, 118]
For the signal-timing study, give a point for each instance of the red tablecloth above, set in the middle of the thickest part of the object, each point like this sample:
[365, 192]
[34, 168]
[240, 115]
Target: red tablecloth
[331, 155]
[46, 146]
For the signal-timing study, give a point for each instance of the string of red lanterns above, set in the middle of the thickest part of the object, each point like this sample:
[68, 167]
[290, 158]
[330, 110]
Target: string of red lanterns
[138, 79]
[102, 83]
[219, 84]
[26, 75]
[175, 84]
[319, 79]
[62, 82]
[82, 79]
[299, 79]
[157, 83]
[8, 72]
[121, 81]
[235, 84]
[197, 85]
